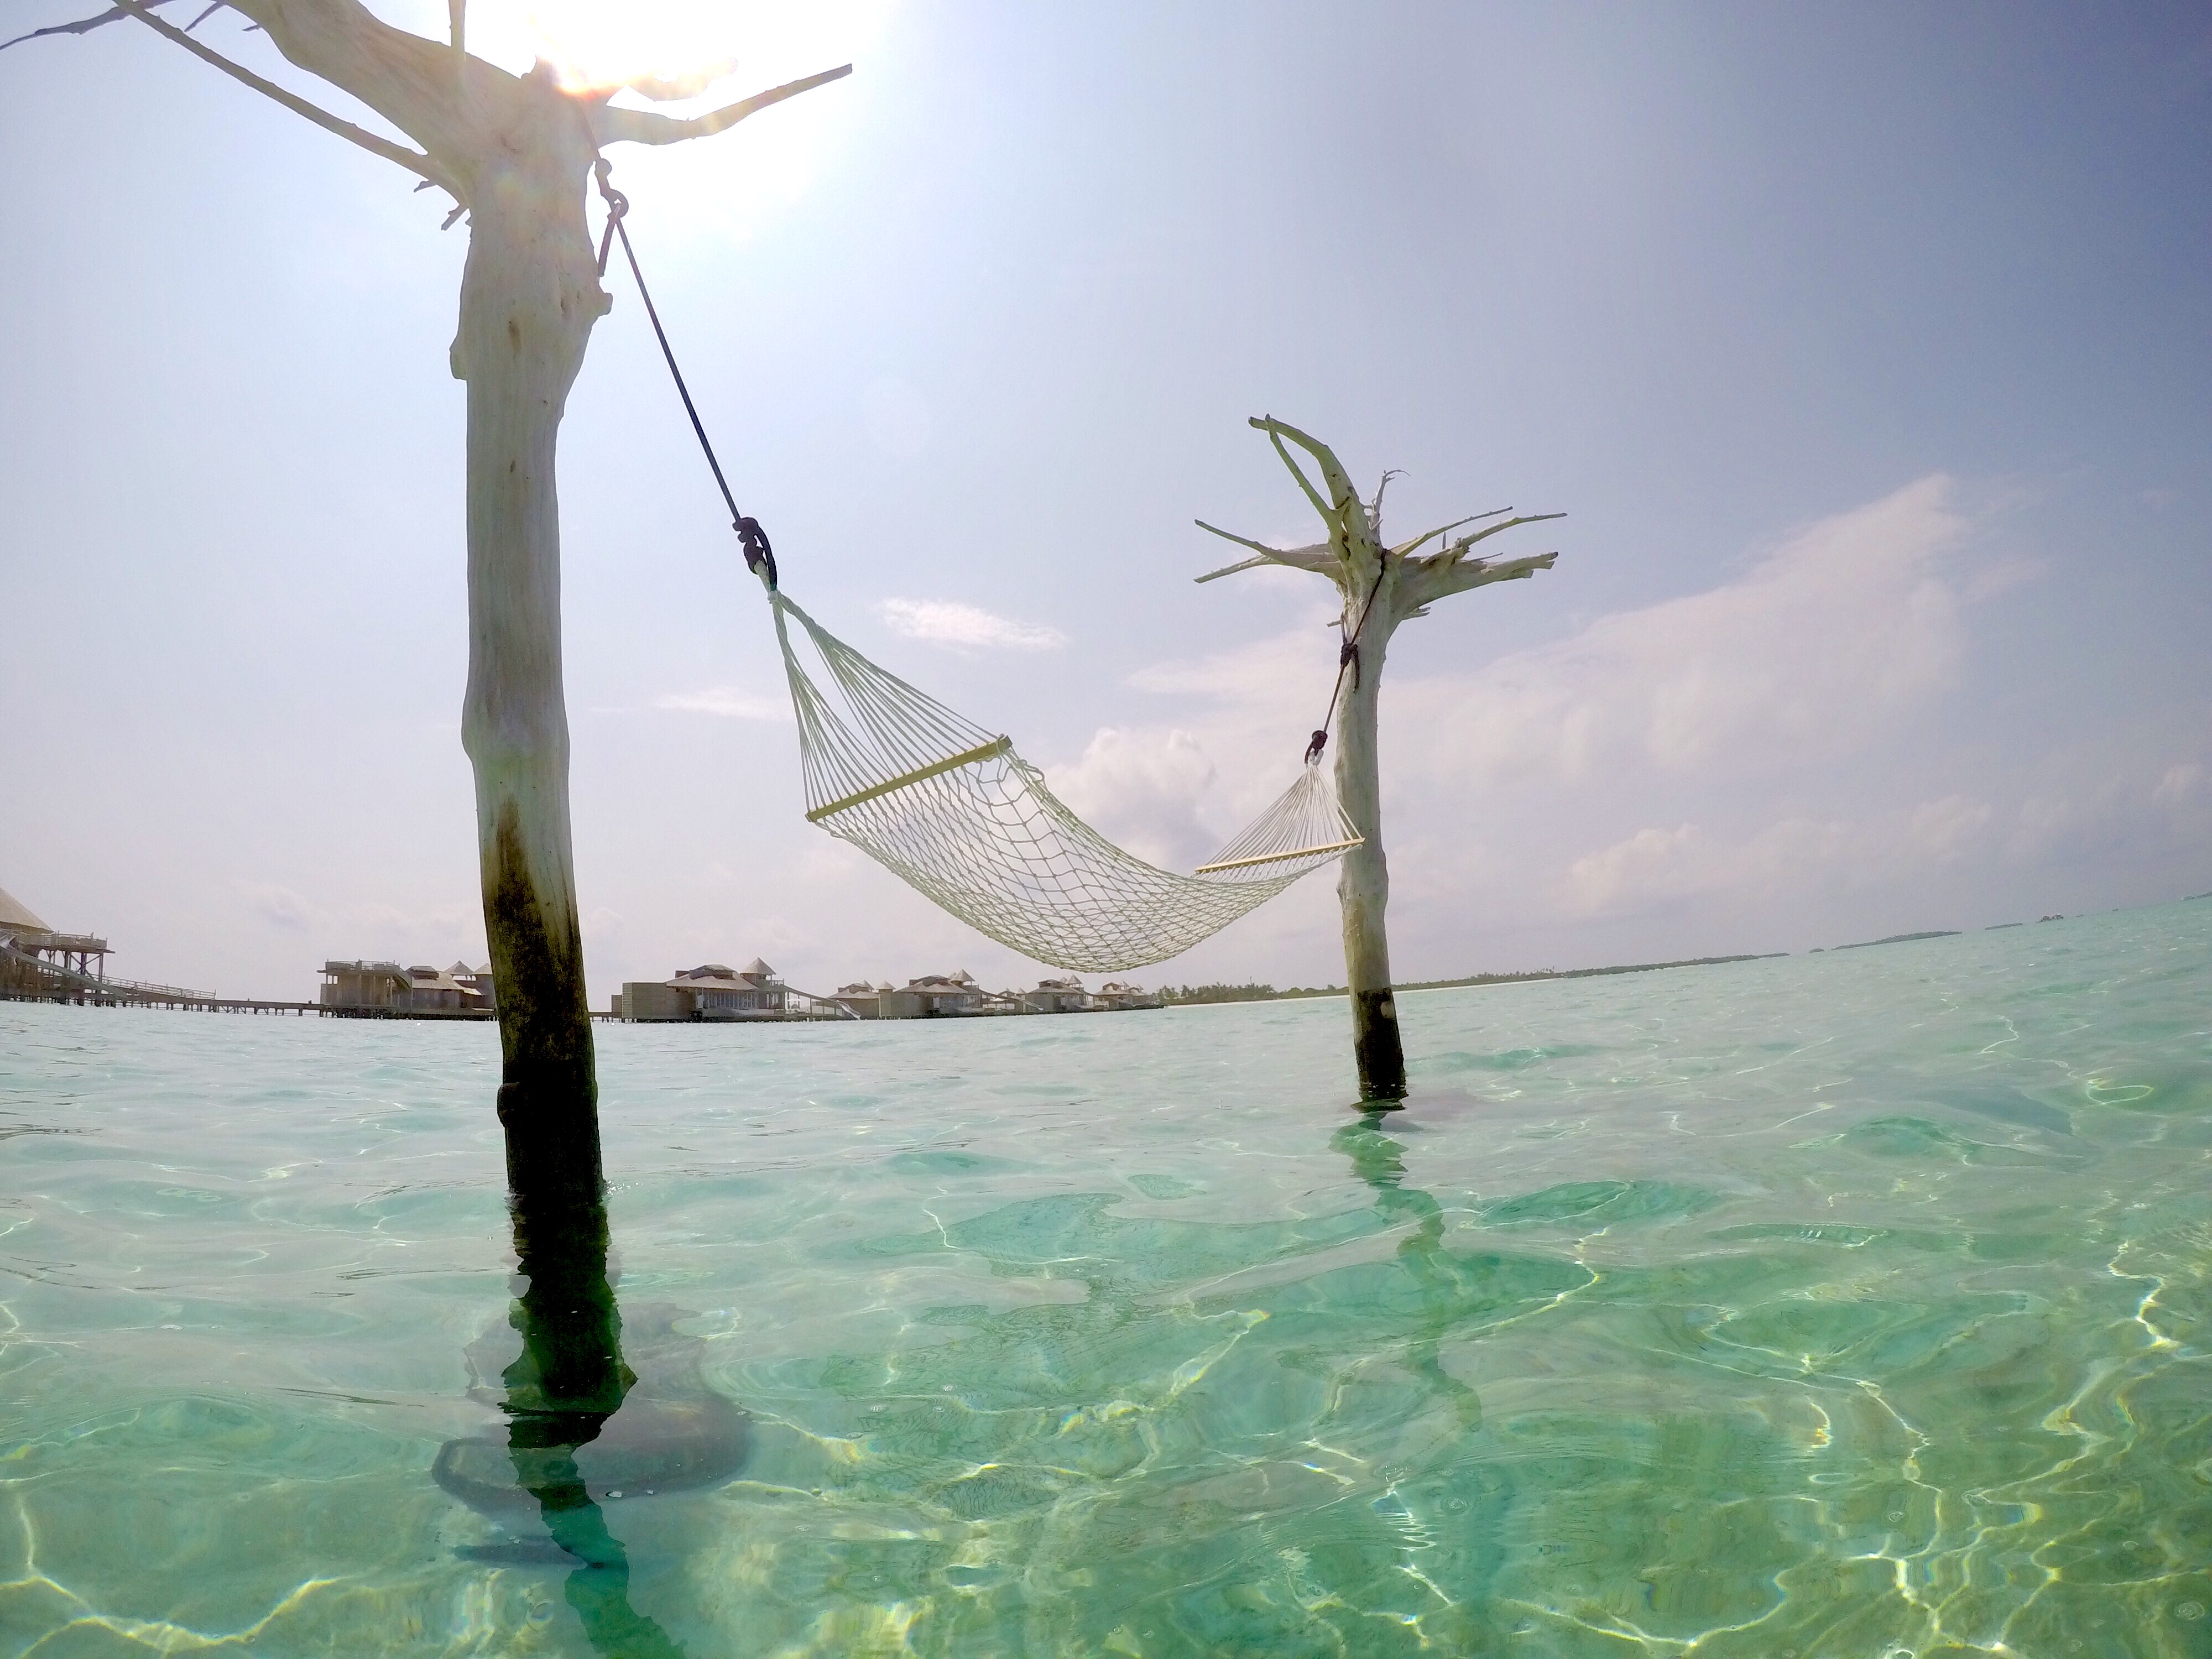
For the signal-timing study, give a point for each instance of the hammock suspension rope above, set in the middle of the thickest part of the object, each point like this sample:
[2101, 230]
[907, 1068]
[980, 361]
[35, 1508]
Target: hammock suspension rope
[951, 808]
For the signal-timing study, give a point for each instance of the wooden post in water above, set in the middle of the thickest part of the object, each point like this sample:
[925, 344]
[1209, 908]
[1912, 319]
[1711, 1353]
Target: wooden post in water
[515, 152]
[1381, 585]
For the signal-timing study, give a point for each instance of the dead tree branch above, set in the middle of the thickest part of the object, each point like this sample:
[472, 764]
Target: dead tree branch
[86, 25]
[1430, 579]
[638, 126]
[1343, 496]
[1317, 558]
[1461, 546]
[1404, 548]
[421, 165]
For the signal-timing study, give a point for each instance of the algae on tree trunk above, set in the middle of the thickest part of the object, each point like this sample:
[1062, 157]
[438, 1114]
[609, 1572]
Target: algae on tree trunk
[529, 297]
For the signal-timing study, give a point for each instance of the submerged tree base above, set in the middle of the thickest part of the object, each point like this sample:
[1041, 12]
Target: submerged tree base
[1377, 1047]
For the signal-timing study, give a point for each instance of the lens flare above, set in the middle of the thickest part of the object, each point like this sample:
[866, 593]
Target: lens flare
[688, 57]
[675, 49]
[668, 47]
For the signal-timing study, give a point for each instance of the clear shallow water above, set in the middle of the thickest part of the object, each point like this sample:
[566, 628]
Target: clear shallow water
[1851, 1305]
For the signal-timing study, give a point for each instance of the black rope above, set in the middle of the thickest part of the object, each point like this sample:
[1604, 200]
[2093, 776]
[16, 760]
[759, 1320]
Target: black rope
[760, 557]
[1347, 656]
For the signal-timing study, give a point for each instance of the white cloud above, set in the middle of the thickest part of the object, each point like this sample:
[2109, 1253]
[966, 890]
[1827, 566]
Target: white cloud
[1141, 790]
[1792, 855]
[2181, 784]
[279, 905]
[433, 933]
[1848, 628]
[965, 627]
[1943, 829]
[727, 702]
[1655, 867]
[1830, 639]
[1724, 758]
[1294, 667]
[1845, 630]
[2091, 810]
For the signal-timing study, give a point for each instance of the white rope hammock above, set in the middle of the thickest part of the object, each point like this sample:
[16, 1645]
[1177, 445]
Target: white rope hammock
[952, 811]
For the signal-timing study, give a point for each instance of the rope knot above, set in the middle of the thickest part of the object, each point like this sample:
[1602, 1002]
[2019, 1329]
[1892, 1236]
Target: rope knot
[617, 205]
[758, 553]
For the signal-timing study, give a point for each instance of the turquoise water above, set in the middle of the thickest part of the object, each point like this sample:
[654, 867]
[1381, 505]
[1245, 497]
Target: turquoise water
[1850, 1305]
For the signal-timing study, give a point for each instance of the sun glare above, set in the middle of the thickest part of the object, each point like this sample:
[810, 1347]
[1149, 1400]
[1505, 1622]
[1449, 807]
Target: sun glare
[600, 47]
[684, 57]
[679, 48]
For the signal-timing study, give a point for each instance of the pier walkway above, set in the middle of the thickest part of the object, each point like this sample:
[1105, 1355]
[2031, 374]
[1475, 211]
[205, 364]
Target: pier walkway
[58, 983]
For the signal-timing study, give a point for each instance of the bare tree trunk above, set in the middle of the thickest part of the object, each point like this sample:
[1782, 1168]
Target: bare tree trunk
[515, 152]
[1382, 585]
[1362, 881]
[529, 298]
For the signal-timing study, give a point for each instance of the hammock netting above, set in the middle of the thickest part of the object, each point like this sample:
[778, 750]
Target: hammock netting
[952, 811]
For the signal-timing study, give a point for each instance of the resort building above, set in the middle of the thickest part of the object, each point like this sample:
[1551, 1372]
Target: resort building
[935, 996]
[1115, 996]
[387, 988]
[861, 999]
[713, 991]
[476, 982]
[36, 961]
[1056, 996]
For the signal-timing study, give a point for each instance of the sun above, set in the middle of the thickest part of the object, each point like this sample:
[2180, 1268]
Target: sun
[678, 48]
[684, 58]
[597, 47]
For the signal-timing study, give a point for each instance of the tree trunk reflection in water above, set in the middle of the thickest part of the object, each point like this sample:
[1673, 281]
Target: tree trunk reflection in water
[1380, 1161]
[583, 1428]
[569, 1380]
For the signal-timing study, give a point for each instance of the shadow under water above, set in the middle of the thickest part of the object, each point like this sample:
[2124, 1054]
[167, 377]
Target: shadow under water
[598, 1412]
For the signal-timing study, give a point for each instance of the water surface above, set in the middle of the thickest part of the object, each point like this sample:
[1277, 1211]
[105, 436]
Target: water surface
[1848, 1304]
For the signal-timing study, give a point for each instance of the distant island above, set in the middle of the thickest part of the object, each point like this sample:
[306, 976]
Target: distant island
[1907, 939]
[1173, 995]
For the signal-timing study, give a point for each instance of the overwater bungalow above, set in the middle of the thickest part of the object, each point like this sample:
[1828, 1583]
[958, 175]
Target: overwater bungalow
[1057, 996]
[1117, 994]
[714, 992]
[38, 961]
[861, 999]
[935, 996]
[387, 989]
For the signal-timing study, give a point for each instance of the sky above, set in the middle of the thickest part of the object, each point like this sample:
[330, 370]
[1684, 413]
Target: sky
[1868, 348]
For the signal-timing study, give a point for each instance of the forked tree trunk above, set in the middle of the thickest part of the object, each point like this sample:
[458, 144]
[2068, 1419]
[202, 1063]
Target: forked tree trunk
[529, 297]
[516, 153]
[1382, 585]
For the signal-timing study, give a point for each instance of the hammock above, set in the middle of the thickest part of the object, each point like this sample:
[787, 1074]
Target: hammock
[952, 811]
